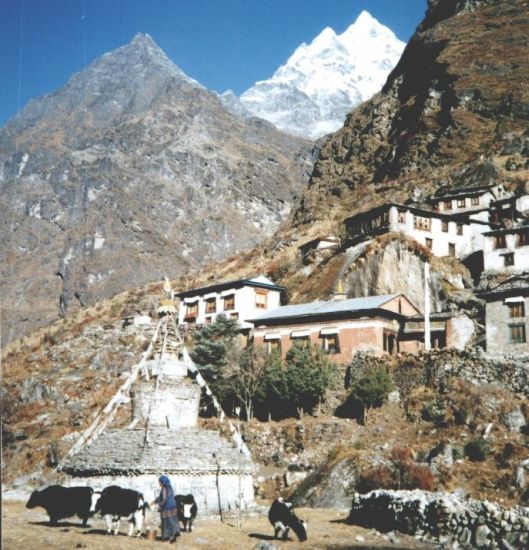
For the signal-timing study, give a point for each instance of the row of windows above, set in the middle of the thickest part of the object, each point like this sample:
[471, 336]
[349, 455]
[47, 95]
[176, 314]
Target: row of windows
[330, 343]
[451, 247]
[228, 304]
[209, 320]
[211, 306]
[500, 241]
[460, 203]
[445, 226]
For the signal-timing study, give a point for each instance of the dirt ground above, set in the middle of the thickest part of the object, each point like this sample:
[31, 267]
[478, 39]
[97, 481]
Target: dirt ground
[24, 529]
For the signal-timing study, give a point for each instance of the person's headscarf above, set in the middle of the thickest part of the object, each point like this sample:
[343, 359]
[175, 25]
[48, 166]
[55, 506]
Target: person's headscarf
[164, 480]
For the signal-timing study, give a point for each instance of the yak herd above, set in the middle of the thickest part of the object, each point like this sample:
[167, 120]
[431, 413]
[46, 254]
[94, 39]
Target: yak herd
[115, 503]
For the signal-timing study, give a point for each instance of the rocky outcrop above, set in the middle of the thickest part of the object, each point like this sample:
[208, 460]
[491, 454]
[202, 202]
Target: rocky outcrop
[132, 170]
[444, 517]
[394, 264]
[456, 101]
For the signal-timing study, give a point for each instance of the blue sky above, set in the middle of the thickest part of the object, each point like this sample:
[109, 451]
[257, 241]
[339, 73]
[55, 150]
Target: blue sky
[221, 43]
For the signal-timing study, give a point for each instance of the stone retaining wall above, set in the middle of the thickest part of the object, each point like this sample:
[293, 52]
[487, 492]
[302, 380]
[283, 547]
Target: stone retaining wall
[443, 517]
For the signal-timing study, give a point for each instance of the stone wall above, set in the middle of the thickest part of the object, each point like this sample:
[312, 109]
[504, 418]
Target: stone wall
[434, 368]
[444, 517]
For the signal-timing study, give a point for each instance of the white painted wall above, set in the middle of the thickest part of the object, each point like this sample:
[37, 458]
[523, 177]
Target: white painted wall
[494, 257]
[203, 486]
[245, 305]
[470, 241]
[522, 203]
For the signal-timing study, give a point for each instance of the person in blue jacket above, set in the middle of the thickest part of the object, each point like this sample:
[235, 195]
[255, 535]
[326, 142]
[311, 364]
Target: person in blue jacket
[168, 511]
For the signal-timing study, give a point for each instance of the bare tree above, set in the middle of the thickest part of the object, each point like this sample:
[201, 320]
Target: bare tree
[245, 372]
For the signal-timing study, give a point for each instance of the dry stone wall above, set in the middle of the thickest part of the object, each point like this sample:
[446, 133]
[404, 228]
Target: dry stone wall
[443, 517]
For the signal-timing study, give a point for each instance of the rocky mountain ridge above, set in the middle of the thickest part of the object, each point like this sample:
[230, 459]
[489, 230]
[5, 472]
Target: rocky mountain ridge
[129, 171]
[311, 94]
[453, 112]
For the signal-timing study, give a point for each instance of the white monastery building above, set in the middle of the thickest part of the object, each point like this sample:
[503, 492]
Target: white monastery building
[242, 300]
[444, 235]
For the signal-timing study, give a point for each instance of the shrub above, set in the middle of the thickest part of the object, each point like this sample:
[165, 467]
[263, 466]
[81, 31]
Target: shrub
[375, 478]
[373, 388]
[433, 411]
[477, 449]
[297, 385]
[368, 391]
[415, 476]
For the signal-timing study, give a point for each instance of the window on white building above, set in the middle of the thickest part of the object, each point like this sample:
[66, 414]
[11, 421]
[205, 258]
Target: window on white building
[261, 299]
[444, 226]
[229, 302]
[452, 250]
[421, 223]
[508, 259]
[429, 243]
[461, 203]
[499, 241]
[516, 309]
[211, 305]
[523, 238]
[459, 228]
[517, 334]
[191, 311]
[474, 201]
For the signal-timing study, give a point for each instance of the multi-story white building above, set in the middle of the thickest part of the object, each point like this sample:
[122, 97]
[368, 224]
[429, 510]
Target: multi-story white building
[243, 299]
[445, 235]
[466, 199]
[507, 249]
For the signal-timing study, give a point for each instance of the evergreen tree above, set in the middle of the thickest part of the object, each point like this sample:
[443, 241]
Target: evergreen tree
[215, 344]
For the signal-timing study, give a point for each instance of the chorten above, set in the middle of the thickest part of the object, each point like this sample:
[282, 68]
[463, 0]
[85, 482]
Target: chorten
[163, 391]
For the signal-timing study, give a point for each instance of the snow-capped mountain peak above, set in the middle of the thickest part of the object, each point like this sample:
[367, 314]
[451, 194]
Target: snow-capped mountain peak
[311, 94]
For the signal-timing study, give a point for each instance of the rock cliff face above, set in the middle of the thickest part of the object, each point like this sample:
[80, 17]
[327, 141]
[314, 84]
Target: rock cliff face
[391, 269]
[454, 110]
[130, 171]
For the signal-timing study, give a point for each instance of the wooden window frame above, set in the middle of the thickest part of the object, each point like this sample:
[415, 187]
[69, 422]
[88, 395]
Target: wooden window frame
[258, 294]
[421, 223]
[444, 226]
[335, 348]
[447, 205]
[211, 305]
[516, 310]
[273, 345]
[500, 242]
[523, 239]
[461, 203]
[228, 300]
[429, 243]
[517, 334]
[459, 228]
[304, 341]
[474, 201]
[508, 259]
[452, 250]
[191, 311]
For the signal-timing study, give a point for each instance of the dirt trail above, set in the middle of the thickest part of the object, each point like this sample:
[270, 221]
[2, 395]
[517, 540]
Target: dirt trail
[24, 529]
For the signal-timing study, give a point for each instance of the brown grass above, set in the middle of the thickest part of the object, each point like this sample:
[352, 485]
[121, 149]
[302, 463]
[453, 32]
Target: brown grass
[327, 530]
